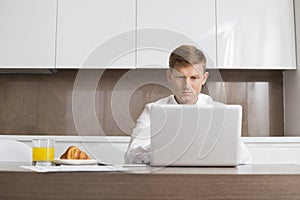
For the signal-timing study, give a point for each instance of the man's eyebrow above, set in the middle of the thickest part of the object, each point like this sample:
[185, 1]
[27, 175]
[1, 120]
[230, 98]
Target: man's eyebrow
[179, 75]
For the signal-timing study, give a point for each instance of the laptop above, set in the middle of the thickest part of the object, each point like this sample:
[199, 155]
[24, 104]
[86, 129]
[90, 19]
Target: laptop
[191, 135]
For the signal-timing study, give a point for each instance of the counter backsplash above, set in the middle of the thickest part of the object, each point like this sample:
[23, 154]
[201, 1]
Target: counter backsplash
[42, 104]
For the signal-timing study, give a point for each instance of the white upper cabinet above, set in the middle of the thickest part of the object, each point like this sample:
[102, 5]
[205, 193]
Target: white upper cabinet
[233, 34]
[164, 25]
[255, 34]
[27, 33]
[96, 34]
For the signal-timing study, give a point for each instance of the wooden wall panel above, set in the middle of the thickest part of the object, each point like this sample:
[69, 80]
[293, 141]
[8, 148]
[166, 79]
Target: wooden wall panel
[42, 104]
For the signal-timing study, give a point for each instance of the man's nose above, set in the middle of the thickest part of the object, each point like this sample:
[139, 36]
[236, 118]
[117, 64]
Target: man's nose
[187, 83]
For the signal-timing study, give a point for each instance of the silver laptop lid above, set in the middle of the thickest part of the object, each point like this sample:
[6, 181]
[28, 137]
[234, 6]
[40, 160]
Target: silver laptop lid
[189, 135]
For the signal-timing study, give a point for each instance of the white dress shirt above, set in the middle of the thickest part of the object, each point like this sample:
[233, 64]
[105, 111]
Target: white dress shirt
[139, 145]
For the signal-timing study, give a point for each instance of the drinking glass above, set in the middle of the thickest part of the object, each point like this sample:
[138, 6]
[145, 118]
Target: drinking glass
[42, 152]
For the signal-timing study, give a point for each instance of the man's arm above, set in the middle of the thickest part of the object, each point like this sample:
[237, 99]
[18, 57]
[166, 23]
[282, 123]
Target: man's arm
[246, 157]
[139, 145]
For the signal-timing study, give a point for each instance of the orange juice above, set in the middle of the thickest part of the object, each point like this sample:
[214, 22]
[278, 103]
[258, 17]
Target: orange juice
[42, 154]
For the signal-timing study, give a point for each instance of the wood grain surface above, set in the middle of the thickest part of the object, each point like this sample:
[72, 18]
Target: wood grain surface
[147, 186]
[42, 104]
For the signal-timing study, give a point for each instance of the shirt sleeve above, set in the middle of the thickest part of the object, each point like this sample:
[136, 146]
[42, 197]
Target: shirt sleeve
[139, 145]
[246, 157]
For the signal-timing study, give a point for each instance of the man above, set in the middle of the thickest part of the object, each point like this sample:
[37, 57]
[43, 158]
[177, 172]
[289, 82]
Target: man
[187, 75]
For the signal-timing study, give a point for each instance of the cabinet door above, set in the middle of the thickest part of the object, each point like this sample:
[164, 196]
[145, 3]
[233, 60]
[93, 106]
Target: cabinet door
[94, 34]
[256, 34]
[165, 25]
[27, 33]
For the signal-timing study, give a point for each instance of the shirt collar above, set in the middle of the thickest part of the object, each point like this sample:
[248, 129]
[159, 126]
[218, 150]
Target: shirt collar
[201, 100]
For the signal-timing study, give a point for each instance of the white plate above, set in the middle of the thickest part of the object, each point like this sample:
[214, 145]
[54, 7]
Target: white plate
[75, 162]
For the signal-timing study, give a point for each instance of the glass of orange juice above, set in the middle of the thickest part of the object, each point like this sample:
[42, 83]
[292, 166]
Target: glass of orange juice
[42, 152]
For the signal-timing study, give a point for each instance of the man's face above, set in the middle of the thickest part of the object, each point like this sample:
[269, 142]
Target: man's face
[187, 82]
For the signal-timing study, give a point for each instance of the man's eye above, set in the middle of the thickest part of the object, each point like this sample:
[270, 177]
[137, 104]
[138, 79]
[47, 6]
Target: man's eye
[194, 77]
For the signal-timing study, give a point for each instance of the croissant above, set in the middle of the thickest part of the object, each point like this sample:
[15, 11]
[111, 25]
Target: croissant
[74, 152]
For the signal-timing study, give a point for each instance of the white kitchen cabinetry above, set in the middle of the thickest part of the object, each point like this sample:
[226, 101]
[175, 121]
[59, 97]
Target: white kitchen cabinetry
[27, 33]
[234, 34]
[96, 34]
[164, 25]
[255, 34]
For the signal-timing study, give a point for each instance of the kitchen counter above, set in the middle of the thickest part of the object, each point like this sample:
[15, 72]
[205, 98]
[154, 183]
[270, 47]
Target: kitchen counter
[242, 182]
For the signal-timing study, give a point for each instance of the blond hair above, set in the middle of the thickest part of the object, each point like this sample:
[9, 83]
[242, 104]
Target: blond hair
[186, 55]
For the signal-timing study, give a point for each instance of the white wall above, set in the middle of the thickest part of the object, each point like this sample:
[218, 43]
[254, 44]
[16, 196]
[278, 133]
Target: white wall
[292, 87]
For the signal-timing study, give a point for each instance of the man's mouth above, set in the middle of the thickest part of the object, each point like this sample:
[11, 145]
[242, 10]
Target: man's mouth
[187, 93]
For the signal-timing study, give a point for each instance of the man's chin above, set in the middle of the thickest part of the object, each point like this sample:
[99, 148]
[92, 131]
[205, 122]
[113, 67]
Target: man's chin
[188, 100]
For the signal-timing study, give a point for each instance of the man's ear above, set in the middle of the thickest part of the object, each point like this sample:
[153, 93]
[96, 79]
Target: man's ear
[205, 76]
[169, 75]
